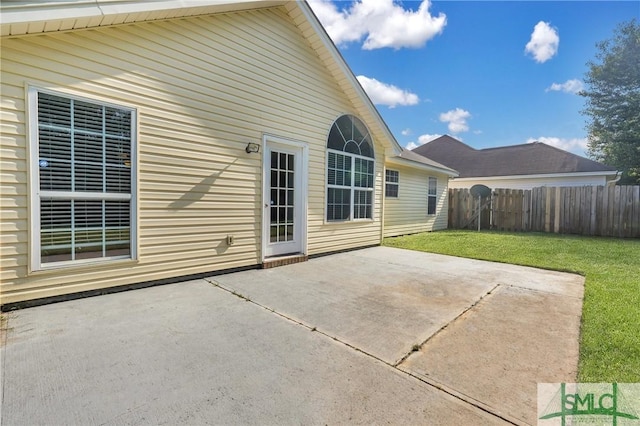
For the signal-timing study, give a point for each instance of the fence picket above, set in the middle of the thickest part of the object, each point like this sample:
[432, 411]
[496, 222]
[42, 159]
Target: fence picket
[589, 210]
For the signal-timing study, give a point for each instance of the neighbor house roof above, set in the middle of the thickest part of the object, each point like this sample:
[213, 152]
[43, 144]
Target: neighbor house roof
[534, 158]
[22, 17]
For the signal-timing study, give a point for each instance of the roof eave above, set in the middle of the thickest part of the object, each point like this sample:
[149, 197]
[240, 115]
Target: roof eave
[30, 17]
[337, 57]
[541, 175]
[415, 164]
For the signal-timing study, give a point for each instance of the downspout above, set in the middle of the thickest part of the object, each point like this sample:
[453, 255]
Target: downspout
[616, 179]
[383, 199]
[99, 7]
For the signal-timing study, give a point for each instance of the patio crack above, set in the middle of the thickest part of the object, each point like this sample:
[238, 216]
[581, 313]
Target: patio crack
[466, 399]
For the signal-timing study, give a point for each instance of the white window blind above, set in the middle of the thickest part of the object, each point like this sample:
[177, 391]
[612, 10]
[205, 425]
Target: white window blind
[85, 179]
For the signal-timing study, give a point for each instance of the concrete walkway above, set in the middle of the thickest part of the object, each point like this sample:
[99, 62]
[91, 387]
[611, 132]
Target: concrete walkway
[375, 336]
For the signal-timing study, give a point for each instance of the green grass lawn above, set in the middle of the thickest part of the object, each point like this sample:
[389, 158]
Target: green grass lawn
[610, 335]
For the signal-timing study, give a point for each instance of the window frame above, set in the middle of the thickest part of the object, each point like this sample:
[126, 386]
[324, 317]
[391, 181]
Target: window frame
[36, 194]
[352, 187]
[388, 183]
[432, 196]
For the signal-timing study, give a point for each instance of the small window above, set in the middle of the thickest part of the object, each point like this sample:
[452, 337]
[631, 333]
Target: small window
[391, 179]
[83, 181]
[350, 171]
[432, 196]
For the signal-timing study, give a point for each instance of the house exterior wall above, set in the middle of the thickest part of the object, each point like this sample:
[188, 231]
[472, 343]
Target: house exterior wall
[203, 87]
[529, 182]
[407, 214]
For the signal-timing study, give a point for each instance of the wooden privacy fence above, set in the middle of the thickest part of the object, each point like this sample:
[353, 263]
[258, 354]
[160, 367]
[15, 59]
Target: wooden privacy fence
[587, 210]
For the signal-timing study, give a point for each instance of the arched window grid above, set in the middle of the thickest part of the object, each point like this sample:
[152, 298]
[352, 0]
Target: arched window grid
[365, 139]
[350, 173]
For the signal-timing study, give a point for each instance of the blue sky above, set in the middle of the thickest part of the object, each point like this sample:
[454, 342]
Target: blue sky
[490, 73]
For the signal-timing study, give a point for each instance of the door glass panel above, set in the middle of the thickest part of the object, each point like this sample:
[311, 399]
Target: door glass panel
[282, 196]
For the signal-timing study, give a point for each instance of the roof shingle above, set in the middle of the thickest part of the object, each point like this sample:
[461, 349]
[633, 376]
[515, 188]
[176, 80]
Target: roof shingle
[526, 159]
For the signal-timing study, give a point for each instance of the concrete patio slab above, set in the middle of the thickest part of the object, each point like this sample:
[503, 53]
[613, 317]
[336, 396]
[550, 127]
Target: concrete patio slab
[384, 300]
[379, 335]
[188, 354]
[496, 353]
[382, 307]
[471, 270]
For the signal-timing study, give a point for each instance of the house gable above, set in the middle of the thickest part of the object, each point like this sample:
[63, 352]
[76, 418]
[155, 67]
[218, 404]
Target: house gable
[26, 17]
[202, 87]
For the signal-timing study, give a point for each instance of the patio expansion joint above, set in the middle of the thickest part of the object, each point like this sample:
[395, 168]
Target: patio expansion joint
[541, 291]
[417, 347]
[424, 378]
[266, 308]
[465, 399]
[295, 321]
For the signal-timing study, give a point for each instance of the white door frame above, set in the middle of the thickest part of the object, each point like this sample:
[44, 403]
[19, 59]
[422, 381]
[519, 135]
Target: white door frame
[302, 180]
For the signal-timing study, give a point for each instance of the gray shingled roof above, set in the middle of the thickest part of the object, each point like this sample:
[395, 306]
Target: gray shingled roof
[526, 159]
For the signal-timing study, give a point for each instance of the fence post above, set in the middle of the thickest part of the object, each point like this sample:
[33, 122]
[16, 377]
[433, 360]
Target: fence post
[592, 210]
[628, 211]
[635, 226]
[547, 210]
[526, 217]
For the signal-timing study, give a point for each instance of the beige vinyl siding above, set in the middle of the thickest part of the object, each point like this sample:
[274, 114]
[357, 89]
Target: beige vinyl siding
[407, 214]
[203, 87]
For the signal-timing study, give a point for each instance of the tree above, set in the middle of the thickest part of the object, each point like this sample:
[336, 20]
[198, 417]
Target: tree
[613, 102]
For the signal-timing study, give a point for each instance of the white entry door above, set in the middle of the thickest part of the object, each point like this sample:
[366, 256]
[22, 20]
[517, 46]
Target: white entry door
[284, 198]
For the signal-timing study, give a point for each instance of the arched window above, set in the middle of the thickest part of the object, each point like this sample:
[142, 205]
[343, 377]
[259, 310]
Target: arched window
[350, 170]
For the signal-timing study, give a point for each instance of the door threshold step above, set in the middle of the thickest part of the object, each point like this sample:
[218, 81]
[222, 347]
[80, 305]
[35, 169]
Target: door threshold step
[272, 262]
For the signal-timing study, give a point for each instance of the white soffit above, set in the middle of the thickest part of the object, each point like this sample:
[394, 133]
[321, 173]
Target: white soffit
[32, 17]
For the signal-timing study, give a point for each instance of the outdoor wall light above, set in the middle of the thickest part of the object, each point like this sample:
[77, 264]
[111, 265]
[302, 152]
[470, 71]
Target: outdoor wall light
[252, 147]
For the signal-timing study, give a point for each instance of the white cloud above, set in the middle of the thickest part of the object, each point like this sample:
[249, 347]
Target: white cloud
[382, 23]
[406, 132]
[575, 145]
[570, 86]
[544, 42]
[411, 146]
[457, 119]
[422, 139]
[386, 94]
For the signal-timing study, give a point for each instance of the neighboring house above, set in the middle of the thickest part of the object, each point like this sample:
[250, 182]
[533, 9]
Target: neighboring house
[523, 166]
[129, 139]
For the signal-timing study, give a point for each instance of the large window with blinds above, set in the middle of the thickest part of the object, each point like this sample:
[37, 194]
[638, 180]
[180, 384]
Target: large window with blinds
[350, 171]
[83, 172]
